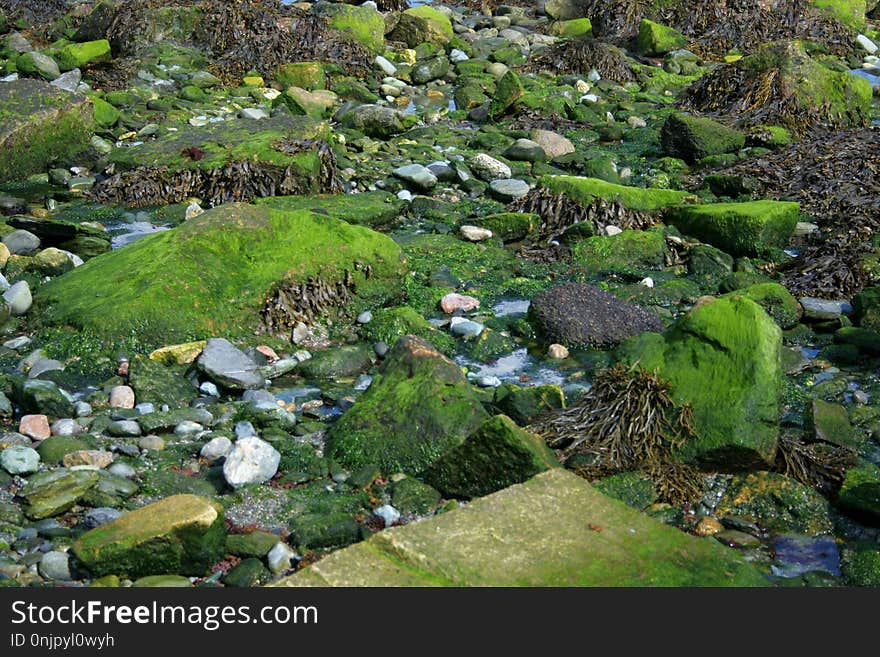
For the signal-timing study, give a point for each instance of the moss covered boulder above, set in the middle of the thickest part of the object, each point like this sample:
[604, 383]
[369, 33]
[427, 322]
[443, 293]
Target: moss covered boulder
[657, 39]
[390, 324]
[524, 404]
[377, 210]
[741, 229]
[49, 494]
[160, 384]
[776, 503]
[860, 492]
[40, 125]
[778, 302]
[553, 530]
[848, 12]
[829, 423]
[634, 253]
[418, 407]
[80, 55]
[694, 137]
[361, 24]
[181, 534]
[227, 271]
[724, 359]
[497, 455]
[586, 190]
[423, 24]
[306, 75]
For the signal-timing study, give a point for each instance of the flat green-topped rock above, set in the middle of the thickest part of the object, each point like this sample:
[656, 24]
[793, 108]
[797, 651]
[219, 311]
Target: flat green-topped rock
[585, 190]
[553, 530]
[51, 493]
[374, 209]
[180, 534]
[740, 229]
[40, 124]
[214, 275]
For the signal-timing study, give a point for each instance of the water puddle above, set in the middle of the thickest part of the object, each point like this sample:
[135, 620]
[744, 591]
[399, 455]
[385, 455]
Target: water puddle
[508, 307]
[518, 367]
[126, 232]
[796, 554]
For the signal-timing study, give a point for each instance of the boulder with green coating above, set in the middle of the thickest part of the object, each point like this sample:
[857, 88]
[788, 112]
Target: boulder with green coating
[860, 492]
[51, 493]
[657, 39]
[553, 530]
[694, 137]
[418, 407]
[497, 455]
[306, 75]
[214, 274]
[422, 24]
[80, 55]
[586, 190]
[508, 93]
[740, 229]
[829, 423]
[724, 359]
[180, 534]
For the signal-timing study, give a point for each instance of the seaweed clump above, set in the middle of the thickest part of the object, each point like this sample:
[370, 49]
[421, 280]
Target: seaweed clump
[626, 421]
[819, 465]
[237, 181]
[579, 56]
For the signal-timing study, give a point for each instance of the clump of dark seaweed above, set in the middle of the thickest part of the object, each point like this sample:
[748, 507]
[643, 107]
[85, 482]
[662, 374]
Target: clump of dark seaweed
[626, 421]
[579, 56]
[236, 181]
[819, 465]
[834, 176]
[293, 302]
[559, 213]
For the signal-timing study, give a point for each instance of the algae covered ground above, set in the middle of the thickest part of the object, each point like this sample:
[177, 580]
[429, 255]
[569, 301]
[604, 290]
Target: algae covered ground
[534, 294]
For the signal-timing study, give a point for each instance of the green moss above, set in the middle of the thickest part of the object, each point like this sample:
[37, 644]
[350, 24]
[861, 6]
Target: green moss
[54, 448]
[778, 302]
[751, 228]
[629, 253]
[728, 349]
[305, 75]
[80, 55]
[657, 39]
[577, 27]
[860, 564]
[377, 210]
[362, 24]
[409, 495]
[634, 489]
[508, 93]
[390, 324]
[860, 492]
[829, 423]
[254, 544]
[848, 12]
[496, 455]
[438, 26]
[417, 408]
[634, 198]
[213, 274]
[510, 226]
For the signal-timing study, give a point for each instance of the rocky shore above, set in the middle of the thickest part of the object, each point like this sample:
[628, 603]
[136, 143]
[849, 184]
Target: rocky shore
[557, 293]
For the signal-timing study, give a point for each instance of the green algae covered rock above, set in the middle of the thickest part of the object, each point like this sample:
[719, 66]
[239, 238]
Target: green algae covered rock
[160, 384]
[254, 544]
[724, 359]
[508, 93]
[694, 137]
[49, 494]
[364, 25]
[497, 455]
[180, 534]
[553, 530]
[375, 210]
[524, 404]
[860, 564]
[634, 489]
[39, 125]
[80, 55]
[631, 252]
[778, 302]
[418, 407]
[585, 190]
[848, 12]
[423, 24]
[740, 229]
[215, 273]
[306, 75]
[860, 492]
[657, 39]
[390, 324]
[409, 495]
[829, 423]
[777, 503]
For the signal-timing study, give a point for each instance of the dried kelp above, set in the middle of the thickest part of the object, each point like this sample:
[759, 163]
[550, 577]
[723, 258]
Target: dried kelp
[819, 465]
[293, 302]
[835, 176]
[579, 56]
[626, 421]
[558, 213]
[236, 181]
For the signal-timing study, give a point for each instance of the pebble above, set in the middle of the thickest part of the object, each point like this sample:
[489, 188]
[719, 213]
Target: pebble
[122, 470]
[82, 409]
[593, 75]
[55, 565]
[253, 113]
[405, 195]
[244, 430]
[365, 317]
[151, 443]
[488, 381]
[100, 516]
[187, 428]
[867, 45]
[279, 558]
[557, 352]
[465, 328]
[417, 175]
[18, 343]
[121, 397]
[251, 461]
[19, 460]
[19, 298]
[488, 168]
[380, 349]
[193, 210]
[589, 98]
[35, 426]
[454, 301]
[475, 233]
[68, 81]
[509, 190]
[636, 122]
[610, 231]
[66, 427]
[388, 513]
[208, 388]
[96, 458]
[647, 282]
[385, 66]
[708, 526]
[45, 365]
[145, 408]
[124, 429]
[824, 309]
[456, 56]
[860, 397]
[216, 449]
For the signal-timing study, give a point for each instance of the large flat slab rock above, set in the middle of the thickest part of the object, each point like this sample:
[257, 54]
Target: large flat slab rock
[553, 530]
[40, 124]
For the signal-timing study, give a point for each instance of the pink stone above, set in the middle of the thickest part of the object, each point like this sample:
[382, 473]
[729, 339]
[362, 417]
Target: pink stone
[453, 301]
[122, 397]
[35, 426]
[268, 352]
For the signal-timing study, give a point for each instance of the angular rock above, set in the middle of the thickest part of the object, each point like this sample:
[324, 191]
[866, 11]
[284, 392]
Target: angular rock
[19, 460]
[35, 62]
[582, 315]
[374, 121]
[179, 534]
[488, 168]
[525, 150]
[417, 175]
[497, 455]
[509, 190]
[227, 365]
[829, 423]
[21, 242]
[692, 137]
[656, 39]
[554, 144]
[95, 458]
[860, 492]
[422, 24]
[508, 93]
[80, 55]
[418, 407]
[49, 494]
[19, 298]
[35, 426]
[554, 530]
